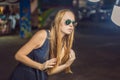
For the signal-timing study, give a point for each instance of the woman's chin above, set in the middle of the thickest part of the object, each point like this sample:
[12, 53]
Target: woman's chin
[68, 33]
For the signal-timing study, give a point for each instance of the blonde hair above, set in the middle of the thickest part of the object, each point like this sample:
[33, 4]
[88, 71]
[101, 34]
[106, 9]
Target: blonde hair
[57, 42]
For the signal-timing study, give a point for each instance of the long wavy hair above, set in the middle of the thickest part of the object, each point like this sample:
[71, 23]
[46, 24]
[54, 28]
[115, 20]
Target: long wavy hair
[57, 43]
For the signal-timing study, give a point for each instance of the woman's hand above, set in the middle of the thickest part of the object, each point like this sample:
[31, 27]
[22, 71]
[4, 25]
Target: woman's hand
[49, 64]
[71, 58]
[62, 67]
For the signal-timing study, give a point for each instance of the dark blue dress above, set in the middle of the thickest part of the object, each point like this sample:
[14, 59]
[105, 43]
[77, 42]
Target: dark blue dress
[23, 72]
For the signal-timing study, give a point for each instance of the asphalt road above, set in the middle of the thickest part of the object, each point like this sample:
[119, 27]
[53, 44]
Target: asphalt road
[97, 47]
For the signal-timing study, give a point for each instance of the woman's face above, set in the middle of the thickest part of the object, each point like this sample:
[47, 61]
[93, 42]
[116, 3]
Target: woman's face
[67, 23]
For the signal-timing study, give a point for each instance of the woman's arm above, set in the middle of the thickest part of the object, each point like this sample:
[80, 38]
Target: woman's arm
[36, 41]
[63, 66]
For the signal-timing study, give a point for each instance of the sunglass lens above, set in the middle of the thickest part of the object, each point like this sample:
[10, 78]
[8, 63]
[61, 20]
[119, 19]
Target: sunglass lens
[74, 23]
[67, 22]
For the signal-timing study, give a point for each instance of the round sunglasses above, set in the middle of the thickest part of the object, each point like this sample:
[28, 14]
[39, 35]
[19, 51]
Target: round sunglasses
[68, 22]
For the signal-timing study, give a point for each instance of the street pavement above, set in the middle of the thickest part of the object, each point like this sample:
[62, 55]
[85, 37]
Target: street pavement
[97, 48]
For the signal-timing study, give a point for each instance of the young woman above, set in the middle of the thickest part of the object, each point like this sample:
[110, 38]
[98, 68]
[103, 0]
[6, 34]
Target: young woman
[48, 51]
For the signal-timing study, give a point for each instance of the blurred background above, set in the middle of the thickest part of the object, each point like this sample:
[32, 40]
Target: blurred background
[96, 43]
[42, 12]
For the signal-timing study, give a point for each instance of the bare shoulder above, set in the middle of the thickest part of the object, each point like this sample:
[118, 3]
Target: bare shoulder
[39, 37]
[40, 34]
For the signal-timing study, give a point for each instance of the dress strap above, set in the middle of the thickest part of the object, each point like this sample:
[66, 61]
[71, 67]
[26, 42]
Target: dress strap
[48, 34]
